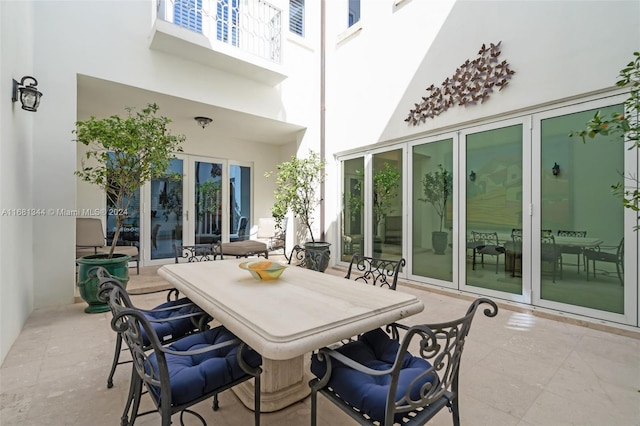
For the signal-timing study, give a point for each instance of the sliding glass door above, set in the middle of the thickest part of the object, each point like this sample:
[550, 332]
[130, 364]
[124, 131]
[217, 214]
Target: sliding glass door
[494, 228]
[582, 264]
[432, 244]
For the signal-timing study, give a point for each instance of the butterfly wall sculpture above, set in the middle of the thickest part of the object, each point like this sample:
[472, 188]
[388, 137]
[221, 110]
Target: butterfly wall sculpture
[472, 83]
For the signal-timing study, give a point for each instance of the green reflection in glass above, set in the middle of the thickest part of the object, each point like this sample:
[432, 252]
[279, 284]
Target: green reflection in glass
[494, 208]
[432, 210]
[585, 217]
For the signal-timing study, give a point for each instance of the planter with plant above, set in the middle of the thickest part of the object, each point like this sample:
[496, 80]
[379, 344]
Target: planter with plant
[437, 187]
[298, 184]
[386, 182]
[123, 154]
[385, 190]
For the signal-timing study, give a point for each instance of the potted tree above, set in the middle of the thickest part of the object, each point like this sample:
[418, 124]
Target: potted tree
[437, 187]
[298, 189]
[123, 154]
[385, 189]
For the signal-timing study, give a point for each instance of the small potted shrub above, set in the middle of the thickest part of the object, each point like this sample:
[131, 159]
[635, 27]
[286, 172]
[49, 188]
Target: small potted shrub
[437, 187]
[298, 189]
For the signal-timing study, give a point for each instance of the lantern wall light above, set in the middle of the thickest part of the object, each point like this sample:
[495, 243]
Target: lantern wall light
[29, 95]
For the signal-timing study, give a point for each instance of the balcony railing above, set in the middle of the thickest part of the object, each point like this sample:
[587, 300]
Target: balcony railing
[254, 26]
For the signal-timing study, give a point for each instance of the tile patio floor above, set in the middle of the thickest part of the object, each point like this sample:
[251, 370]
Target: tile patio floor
[518, 369]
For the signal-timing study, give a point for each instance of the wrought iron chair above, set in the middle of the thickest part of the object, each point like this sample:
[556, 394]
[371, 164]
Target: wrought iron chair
[488, 244]
[376, 380]
[578, 251]
[606, 254]
[550, 252]
[514, 250]
[376, 271]
[171, 320]
[188, 371]
[197, 252]
[298, 256]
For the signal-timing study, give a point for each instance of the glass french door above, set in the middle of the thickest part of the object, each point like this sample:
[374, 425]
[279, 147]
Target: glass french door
[494, 230]
[166, 212]
[199, 200]
[432, 244]
[352, 218]
[587, 264]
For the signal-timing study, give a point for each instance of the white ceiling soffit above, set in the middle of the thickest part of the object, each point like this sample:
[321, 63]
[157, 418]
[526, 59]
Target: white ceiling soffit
[103, 98]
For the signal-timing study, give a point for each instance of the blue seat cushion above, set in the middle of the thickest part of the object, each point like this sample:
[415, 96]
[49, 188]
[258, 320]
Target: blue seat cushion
[369, 393]
[196, 375]
[171, 330]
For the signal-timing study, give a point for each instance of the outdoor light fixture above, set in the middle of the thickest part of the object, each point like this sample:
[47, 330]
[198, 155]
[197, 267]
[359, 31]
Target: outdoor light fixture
[555, 169]
[472, 176]
[29, 95]
[203, 121]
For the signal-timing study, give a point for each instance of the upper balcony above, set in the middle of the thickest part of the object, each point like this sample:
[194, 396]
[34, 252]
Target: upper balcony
[242, 37]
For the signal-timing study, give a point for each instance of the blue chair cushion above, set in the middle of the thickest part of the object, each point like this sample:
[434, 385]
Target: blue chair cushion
[171, 330]
[196, 375]
[369, 393]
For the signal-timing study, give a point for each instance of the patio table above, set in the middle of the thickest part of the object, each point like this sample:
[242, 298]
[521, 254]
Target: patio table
[287, 318]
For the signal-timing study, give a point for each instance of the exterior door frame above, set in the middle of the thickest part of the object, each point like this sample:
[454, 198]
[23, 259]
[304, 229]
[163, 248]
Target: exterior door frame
[525, 297]
[631, 293]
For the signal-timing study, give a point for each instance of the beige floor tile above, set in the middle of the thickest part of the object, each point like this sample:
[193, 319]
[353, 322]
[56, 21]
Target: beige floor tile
[518, 369]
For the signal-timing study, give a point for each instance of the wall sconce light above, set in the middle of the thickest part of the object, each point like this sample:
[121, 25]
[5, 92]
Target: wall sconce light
[29, 95]
[472, 176]
[203, 121]
[555, 169]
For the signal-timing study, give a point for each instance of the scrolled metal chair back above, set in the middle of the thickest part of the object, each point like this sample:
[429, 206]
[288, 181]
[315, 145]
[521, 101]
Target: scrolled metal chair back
[376, 271]
[441, 345]
[133, 326]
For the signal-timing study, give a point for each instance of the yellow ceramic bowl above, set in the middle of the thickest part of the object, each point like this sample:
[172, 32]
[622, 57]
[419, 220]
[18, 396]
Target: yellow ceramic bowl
[263, 269]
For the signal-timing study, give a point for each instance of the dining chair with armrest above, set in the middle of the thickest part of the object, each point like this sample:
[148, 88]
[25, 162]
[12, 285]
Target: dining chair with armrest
[487, 244]
[375, 271]
[577, 250]
[550, 252]
[376, 380]
[607, 254]
[171, 320]
[190, 370]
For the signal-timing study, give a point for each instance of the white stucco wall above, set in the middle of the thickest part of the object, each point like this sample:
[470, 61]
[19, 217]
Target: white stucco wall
[17, 129]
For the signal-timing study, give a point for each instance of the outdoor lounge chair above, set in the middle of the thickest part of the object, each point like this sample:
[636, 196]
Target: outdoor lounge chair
[90, 240]
[267, 232]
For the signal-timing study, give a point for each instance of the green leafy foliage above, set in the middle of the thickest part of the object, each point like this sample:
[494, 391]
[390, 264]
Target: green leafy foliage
[385, 190]
[626, 123]
[124, 154]
[437, 187]
[298, 189]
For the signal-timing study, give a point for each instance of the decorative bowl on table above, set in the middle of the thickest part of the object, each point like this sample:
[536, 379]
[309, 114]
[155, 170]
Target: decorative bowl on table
[263, 269]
